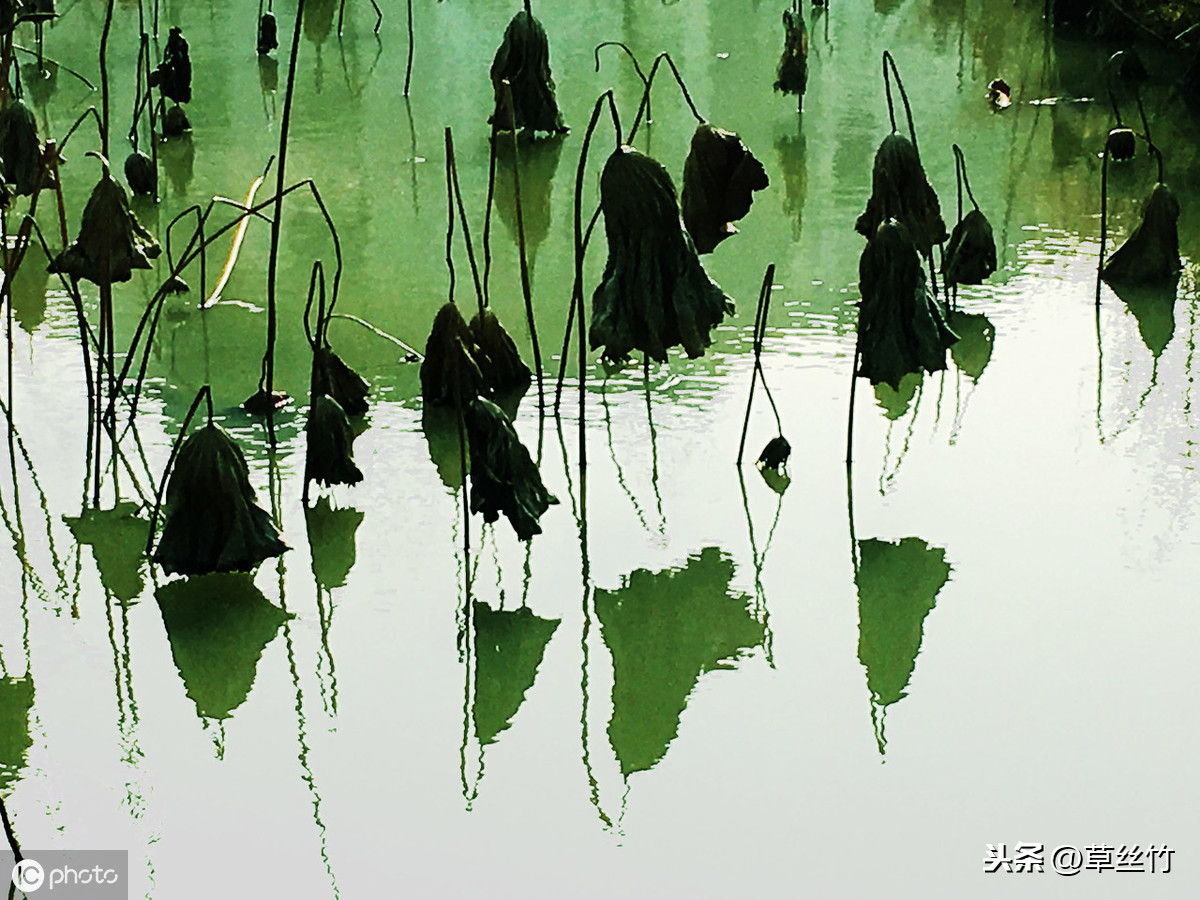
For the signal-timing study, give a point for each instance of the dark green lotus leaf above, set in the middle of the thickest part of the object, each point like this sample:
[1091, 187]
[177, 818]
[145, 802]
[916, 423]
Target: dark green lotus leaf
[898, 584]
[664, 630]
[775, 454]
[16, 701]
[331, 376]
[497, 356]
[791, 76]
[523, 60]
[218, 627]
[1151, 254]
[211, 520]
[719, 178]
[331, 541]
[449, 373]
[268, 33]
[117, 537]
[654, 293]
[971, 253]
[173, 76]
[141, 174]
[330, 457]
[20, 149]
[509, 646]
[900, 327]
[504, 478]
[900, 190]
[111, 243]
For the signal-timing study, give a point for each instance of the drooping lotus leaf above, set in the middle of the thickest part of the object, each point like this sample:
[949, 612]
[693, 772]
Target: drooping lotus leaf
[523, 60]
[509, 646]
[900, 327]
[971, 253]
[898, 584]
[973, 349]
[504, 478]
[792, 74]
[719, 177]
[496, 354]
[141, 174]
[1152, 252]
[664, 630]
[111, 243]
[330, 456]
[654, 293]
[20, 149]
[1121, 144]
[775, 454]
[173, 76]
[118, 540]
[268, 33]
[331, 541]
[16, 702]
[449, 373]
[211, 520]
[900, 190]
[331, 376]
[218, 627]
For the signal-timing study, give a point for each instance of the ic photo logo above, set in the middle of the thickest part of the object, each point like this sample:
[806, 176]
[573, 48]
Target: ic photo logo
[28, 875]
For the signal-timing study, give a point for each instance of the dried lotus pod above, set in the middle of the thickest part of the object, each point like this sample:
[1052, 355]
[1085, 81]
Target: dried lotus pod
[1151, 253]
[900, 190]
[111, 243]
[449, 373]
[212, 522]
[330, 456]
[654, 293]
[719, 178]
[523, 60]
[504, 478]
[900, 327]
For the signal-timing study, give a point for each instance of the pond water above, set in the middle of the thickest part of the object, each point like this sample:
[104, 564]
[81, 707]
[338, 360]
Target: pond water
[689, 685]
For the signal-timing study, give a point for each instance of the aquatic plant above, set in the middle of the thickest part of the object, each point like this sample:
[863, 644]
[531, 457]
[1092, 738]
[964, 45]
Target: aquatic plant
[504, 478]
[523, 61]
[971, 254]
[111, 242]
[211, 521]
[330, 442]
[719, 178]
[173, 76]
[20, 148]
[777, 451]
[791, 75]
[450, 374]
[1151, 252]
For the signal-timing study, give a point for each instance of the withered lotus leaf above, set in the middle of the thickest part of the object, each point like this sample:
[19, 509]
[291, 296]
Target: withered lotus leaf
[496, 354]
[504, 478]
[449, 373]
[654, 293]
[211, 520]
[900, 190]
[792, 74]
[900, 327]
[173, 76]
[141, 174]
[523, 60]
[1151, 253]
[268, 33]
[719, 178]
[111, 243]
[330, 456]
[971, 253]
[331, 376]
[20, 149]
[775, 454]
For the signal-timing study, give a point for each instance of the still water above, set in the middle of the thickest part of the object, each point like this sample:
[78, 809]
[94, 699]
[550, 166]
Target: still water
[691, 686]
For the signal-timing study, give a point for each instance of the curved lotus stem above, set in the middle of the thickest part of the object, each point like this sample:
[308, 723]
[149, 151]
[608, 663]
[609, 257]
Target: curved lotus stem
[316, 287]
[645, 104]
[636, 67]
[960, 171]
[889, 61]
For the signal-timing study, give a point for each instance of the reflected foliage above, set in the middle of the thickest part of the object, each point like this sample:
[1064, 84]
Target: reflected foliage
[664, 630]
[898, 583]
[16, 701]
[973, 350]
[331, 534]
[1154, 308]
[509, 646]
[218, 627]
[117, 537]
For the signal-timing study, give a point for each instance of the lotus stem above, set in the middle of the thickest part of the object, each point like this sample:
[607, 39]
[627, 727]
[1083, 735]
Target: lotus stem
[235, 246]
[760, 315]
[645, 104]
[487, 217]
[853, 383]
[636, 67]
[888, 60]
[452, 174]
[8, 833]
[1103, 222]
[408, 65]
[108, 17]
[380, 332]
[42, 60]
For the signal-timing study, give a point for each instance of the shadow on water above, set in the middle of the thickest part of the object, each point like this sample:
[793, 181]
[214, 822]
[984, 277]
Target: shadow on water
[16, 703]
[539, 162]
[509, 647]
[218, 626]
[664, 630]
[331, 541]
[897, 583]
[117, 537]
